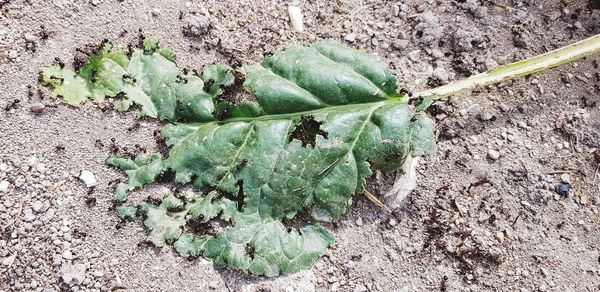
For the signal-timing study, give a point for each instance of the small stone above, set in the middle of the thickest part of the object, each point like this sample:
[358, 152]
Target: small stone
[12, 55]
[67, 255]
[440, 74]
[4, 186]
[414, 55]
[155, 12]
[565, 178]
[351, 37]
[393, 222]
[73, 274]
[295, 14]
[88, 178]
[396, 10]
[37, 108]
[400, 44]
[493, 154]
[486, 116]
[41, 168]
[37, 206]
[28, 215]
[4, 166]
[359, 222]
[197, 25]
[29, 37]
[563, 189]
[360, 288]
[522, 124]
[474, 110]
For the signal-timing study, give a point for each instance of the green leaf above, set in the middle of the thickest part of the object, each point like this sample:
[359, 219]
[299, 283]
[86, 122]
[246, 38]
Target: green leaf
[127, 211]
[265, 246]
[66, 84]
[217, 76]
[149, 78]
[320, 118]
[189, 245]
[143, 170]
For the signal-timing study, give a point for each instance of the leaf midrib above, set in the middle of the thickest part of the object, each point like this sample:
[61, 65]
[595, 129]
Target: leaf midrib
[287, 116]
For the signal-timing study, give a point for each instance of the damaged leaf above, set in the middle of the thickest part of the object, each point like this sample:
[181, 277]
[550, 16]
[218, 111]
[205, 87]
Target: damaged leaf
[149, 78]
[318, 120]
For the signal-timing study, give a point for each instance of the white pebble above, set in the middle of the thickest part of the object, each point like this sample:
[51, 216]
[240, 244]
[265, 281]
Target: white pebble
[88, 178]
[493, 154]
[351, 37]
[4, 186]
[296, 18]
[566, 178]
[41, 168]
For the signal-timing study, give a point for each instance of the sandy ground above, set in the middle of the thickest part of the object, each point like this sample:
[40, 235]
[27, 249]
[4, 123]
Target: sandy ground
[476, 222]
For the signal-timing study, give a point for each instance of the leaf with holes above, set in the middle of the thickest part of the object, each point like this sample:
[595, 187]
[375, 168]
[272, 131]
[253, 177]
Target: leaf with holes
[149, 78]
[300, 135]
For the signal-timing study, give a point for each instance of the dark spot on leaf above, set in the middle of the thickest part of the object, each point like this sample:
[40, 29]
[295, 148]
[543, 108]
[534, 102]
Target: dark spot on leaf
[307, 131]
[250, 249]
[241, 164]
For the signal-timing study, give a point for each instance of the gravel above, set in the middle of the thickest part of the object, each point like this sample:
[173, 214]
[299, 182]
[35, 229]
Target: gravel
[484, 224]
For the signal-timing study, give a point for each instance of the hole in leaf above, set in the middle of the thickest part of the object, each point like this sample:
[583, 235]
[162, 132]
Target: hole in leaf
[307, 131]
[239, 199]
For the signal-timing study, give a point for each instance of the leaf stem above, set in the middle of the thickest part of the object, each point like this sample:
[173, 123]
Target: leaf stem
[525, 67]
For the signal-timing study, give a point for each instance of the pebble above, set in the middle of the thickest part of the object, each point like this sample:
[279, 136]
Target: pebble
[351, 37]
[197, 25]
[414, 55]
[440, 74]
[28, 215]
[486, 116]
[30, 37]
[3, 167]
[73, 274]
[400, 44]
[359, 222]
[563, 189]
[67, 255]
[554, 15]
[296, 18]
[360, 288]
[565, 178]
[12, 55]
[41, 168]
[37, 206]
[155, 12]
[4, 186]
[493, 154]
[393, 222]
[88, 178]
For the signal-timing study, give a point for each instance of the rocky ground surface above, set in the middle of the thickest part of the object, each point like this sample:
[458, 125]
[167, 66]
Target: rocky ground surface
[510, 201]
